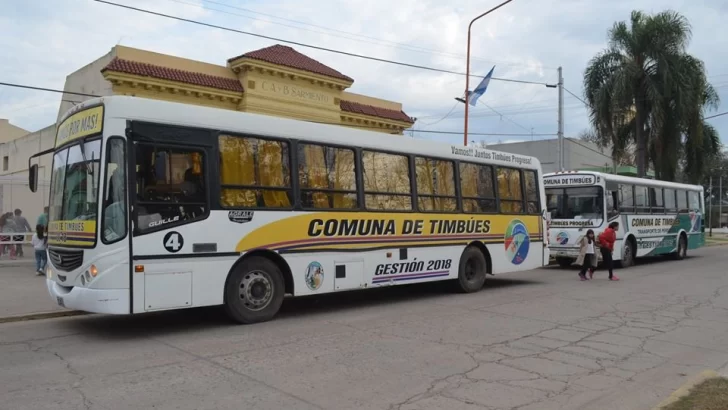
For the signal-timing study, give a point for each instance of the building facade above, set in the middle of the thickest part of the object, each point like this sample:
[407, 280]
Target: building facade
[14, 192]
[578, 155]
[277, 81]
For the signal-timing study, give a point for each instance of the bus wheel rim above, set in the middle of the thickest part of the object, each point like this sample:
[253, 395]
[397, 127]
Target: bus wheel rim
[256, 290]
[470, 270]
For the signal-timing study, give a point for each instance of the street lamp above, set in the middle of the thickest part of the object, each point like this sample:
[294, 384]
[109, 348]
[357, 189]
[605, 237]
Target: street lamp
[467, 67]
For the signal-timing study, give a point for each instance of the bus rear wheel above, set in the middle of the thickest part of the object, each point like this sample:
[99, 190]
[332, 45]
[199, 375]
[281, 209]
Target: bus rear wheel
[471, 271]
[628, 253]
[254, 291]
[682, 247]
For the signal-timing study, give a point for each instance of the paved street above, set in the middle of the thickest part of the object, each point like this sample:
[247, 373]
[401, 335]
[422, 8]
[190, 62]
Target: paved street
[21, 291]
[537, 340]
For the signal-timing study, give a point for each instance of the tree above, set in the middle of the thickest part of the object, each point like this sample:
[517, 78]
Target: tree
[645, 89]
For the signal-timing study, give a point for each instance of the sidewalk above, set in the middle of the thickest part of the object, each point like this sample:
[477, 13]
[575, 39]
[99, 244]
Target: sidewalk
[21, 291]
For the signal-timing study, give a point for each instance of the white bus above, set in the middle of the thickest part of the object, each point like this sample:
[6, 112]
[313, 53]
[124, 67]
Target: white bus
[157, 205]
[655, 217]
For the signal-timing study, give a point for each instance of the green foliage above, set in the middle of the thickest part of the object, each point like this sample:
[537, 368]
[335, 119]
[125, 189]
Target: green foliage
[645, 90]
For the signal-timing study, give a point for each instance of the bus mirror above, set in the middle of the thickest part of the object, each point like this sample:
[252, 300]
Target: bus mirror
[545, 215]
[33, 178]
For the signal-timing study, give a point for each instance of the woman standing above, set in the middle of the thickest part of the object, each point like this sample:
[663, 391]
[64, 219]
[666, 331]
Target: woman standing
[606, 245]
[587, 255]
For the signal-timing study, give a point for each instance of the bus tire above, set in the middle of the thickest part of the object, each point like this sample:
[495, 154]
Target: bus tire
[254, 291]
[471, 271]
[565, 262]
[628, 253]
[682, 247]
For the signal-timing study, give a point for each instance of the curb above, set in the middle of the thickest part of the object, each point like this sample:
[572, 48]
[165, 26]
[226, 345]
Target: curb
[716, 243]
[685, 388]
[41, 315]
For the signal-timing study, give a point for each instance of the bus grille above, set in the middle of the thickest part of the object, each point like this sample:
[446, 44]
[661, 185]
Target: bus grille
[65, 260]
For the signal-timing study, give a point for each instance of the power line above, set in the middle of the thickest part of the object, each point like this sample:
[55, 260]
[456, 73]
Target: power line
[29, 87]
[330, 50]
[575, 96]
[716, 115]
[332, 31]
[317, 122]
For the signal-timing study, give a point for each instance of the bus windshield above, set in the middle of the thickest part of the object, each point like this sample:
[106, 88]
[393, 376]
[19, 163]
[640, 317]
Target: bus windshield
[578, 203]
[75, 179]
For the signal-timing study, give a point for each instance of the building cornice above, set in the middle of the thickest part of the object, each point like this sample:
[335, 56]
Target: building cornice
[172, 87]
[367, 121]
[248, 64]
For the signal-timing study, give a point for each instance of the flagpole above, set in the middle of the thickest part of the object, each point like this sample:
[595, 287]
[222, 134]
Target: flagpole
[467, 69]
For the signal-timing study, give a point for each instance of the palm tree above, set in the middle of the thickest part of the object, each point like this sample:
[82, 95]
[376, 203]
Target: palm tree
[638, 70]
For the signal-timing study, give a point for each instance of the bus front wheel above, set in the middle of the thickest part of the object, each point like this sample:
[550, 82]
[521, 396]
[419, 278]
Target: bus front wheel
[565, 262]
[471, 271]
[254, 291]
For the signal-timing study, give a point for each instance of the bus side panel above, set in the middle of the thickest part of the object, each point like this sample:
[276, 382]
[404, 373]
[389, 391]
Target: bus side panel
[179, 267]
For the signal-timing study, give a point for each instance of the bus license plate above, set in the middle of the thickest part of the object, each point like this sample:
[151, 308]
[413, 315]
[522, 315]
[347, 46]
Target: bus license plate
[60, 301]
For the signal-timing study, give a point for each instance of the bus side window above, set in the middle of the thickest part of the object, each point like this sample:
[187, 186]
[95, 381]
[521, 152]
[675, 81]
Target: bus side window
[170, 185]
[612, 200]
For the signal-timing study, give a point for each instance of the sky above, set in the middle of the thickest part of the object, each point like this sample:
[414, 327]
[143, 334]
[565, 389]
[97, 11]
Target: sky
[526, 40]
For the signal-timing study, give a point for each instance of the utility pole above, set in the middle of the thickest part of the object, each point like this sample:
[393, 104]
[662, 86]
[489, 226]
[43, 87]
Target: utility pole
[561, 120]
[720, 199]
[710, 202]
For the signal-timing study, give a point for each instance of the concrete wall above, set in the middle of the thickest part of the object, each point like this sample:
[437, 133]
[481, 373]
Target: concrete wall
[86, 80]
[9, 132]
[577, 154]
[14, 192]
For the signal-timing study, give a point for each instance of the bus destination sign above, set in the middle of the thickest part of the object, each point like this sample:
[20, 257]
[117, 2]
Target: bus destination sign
[567, 180]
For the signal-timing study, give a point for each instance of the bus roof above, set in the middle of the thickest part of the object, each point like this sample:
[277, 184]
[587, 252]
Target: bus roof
[143, 109]
[621, 179]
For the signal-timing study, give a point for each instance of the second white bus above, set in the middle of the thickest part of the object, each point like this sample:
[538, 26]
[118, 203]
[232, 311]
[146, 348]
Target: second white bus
[655, 217]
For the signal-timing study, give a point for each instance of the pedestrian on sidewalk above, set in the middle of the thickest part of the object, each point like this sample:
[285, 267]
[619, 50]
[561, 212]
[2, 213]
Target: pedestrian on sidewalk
[8, 227]
[587, 255]
[40, 244]
[43, 219]
[606, 246]
[21, 225]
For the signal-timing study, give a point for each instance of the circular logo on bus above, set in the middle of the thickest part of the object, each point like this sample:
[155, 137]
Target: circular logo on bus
[562, 238]
[517, 242]
[314, 275]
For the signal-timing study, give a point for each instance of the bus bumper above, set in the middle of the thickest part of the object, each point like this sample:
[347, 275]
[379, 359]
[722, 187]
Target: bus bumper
[564, 252]
[110, 301]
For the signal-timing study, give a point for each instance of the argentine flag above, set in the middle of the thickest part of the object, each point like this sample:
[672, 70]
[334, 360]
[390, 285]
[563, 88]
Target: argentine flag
[480, 89]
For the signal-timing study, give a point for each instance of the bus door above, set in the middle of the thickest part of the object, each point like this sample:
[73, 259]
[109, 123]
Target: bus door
[170, 190]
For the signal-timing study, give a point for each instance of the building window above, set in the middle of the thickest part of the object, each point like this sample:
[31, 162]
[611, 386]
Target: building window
[510, 191]
[327, 177]
[477, 188]
[254, 173]
[6, 163]
[435, 185]
[386, 181]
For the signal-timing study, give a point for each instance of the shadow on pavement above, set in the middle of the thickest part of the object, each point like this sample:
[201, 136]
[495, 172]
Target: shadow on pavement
[209, 318]
[639, 262]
